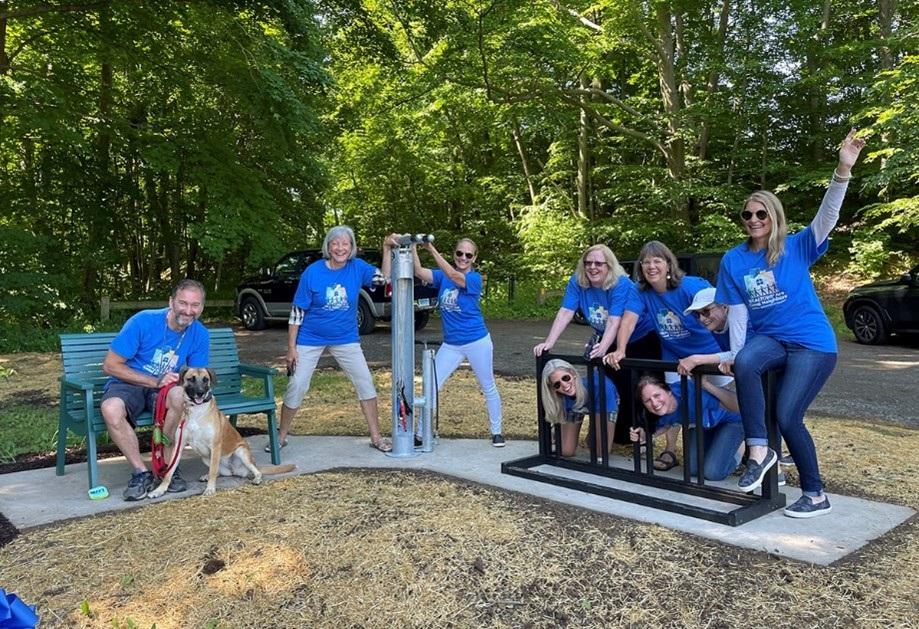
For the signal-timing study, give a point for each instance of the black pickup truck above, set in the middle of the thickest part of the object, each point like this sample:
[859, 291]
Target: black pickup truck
[267, 296]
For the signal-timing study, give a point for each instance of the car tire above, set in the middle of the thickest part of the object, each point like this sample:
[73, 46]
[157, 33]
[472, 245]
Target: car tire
[421, 319]
[868, 326]
[366, 322]
[251, 314]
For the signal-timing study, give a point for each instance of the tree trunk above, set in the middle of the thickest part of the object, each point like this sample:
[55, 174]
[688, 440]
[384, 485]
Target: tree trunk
[676, 158]
[583, 176]
[524, 161]
[817, 96]
[886, 10]
[711, 86]
[99, 217]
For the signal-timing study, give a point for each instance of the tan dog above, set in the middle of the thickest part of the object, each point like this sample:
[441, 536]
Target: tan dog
[211, 435]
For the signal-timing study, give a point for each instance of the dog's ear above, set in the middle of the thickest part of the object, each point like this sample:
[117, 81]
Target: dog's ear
[212, 376]
[182, 375]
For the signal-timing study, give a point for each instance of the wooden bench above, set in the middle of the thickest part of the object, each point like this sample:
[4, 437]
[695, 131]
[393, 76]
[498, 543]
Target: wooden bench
[83, 381]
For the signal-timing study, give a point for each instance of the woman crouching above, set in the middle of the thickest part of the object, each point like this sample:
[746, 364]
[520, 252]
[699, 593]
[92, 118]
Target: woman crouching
[566, 400]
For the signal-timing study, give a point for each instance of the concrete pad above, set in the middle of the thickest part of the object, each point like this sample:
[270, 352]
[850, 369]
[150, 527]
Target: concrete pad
[37, 497]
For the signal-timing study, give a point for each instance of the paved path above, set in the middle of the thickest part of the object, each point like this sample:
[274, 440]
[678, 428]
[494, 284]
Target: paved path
[38, 497]
[871, 383]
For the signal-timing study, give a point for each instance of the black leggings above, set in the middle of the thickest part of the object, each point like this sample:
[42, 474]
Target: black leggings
[648, 346]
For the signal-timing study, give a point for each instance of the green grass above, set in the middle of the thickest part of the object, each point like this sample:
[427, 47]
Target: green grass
[26, 429]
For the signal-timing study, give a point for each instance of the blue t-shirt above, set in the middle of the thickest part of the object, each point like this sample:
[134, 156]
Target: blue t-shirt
[713, 413]
[151, 347]
[459, 308]
[330, 299]
[681, 334]
[612, 400]
[634, 303]
[781, 300]
[597, 304]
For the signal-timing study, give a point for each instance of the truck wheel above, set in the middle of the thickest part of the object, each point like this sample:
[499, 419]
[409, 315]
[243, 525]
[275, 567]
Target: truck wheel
[421, 319]
[868, 326]
[251, 314]
[365, 319]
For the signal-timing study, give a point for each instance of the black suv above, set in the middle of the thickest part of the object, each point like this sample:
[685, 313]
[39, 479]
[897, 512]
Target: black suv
[875, 310]
[268, 296]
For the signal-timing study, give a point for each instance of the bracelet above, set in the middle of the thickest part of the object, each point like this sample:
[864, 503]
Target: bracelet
[839, 178]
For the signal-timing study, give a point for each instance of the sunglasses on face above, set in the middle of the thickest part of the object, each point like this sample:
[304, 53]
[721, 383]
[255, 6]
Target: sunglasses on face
[589, 263]
[760, 215]
[704, 312]
[557, 384]
[464, 254]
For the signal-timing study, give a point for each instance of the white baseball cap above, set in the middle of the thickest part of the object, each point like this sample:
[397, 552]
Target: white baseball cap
[704, 298]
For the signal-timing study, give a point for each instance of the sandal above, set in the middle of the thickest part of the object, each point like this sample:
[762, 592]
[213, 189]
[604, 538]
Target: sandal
[666, 460]
[268, 447]
[381, 444]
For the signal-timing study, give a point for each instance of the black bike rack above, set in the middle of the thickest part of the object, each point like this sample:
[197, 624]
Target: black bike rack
[749, 506]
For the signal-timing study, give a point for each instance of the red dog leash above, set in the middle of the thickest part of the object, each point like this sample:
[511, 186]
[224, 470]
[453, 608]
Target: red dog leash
[160, 439]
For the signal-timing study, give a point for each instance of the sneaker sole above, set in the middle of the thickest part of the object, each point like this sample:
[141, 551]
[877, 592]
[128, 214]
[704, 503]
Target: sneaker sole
[807, 514]
[498, 445]
[135, 498]
[756, 485]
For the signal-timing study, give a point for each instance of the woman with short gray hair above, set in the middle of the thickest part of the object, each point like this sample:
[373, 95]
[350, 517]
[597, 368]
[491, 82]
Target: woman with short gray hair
[324, 315]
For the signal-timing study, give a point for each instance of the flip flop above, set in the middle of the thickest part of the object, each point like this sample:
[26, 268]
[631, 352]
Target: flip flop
[383, 445]
[268, 447]
[666, 460]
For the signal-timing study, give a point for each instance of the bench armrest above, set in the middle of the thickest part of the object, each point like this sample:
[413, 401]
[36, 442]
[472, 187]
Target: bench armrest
[256, 370]
[76, 385]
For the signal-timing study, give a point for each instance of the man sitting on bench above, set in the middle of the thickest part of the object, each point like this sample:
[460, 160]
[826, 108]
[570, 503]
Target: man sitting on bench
[146, 356]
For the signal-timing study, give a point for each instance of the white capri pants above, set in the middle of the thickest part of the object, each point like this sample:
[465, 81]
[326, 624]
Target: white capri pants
[480, 356]
[350, 357]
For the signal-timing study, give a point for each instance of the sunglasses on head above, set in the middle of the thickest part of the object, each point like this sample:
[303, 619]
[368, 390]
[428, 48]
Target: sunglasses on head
[760, 214]
[594, 263]
[557, 384]
[464, 254]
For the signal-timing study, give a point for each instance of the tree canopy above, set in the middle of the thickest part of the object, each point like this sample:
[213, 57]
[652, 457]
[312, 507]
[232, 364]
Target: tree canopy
[142, 142]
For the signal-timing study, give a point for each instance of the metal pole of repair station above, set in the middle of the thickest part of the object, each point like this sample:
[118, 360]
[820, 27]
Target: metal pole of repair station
[404, 402]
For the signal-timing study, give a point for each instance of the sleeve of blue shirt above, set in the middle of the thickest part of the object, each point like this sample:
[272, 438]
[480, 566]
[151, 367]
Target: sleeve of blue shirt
[810, 251]
[437, 279]
[200, 354]
[127, 343]
[572, 297]
[728, 292]
[303, 298]
[368, 271]
[634, 302]
[473, 284]
[612, 399]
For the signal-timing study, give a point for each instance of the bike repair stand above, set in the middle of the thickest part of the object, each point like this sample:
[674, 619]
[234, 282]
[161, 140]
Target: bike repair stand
[404, 401]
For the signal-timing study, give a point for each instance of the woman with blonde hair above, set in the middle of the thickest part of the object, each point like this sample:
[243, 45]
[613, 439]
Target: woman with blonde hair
[566, 400]
[766, 281]
[602, 291]
[459, 288]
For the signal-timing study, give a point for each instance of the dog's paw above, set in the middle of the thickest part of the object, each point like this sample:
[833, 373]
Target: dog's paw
[257, 479]
[209, 491]
[203, 478]
[156, 493]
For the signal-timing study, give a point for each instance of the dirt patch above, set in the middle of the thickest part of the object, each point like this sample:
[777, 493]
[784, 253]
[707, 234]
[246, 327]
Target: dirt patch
[363, 548]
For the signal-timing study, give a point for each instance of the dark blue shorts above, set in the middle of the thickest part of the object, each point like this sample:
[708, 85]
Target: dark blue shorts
[137, 399]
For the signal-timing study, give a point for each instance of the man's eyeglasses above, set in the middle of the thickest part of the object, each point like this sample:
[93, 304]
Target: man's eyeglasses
[760, 214]
[464, 254]
[594, 263]
[557, 384]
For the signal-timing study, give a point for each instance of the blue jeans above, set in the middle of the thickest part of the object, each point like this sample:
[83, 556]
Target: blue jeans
[805, 373]
[720, 446]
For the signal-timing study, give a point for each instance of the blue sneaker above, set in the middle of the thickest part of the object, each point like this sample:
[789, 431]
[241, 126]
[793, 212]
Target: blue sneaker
[781, 479]
[753, 477]
[803, 507]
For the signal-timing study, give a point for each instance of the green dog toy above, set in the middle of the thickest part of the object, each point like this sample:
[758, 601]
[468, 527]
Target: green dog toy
[98, 493]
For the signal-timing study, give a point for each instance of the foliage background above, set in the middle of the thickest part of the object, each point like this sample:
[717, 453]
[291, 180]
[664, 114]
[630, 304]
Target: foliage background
[141, 142]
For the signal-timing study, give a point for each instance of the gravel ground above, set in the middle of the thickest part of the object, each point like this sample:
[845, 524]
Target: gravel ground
[870, 383]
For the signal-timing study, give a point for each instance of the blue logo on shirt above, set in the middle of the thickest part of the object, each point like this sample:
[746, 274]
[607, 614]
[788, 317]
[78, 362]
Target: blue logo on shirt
[762, 291]
[670, 326]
